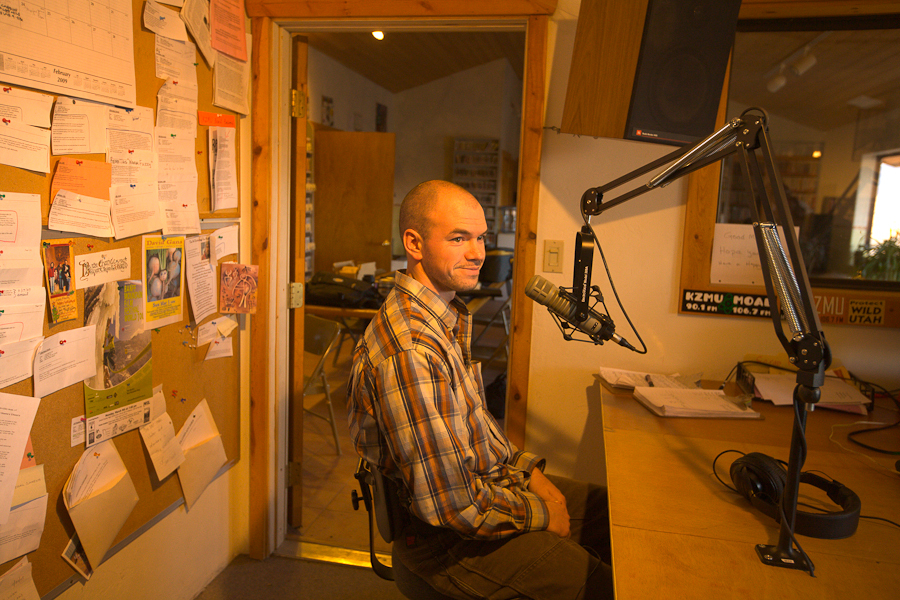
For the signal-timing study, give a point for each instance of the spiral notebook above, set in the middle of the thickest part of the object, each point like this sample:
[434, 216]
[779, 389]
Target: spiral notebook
[676, 402]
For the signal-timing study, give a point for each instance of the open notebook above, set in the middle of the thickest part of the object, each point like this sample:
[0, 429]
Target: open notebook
[676, 402]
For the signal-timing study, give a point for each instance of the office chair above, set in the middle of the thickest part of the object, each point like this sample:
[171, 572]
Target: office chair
[379, 494]
[319, 337]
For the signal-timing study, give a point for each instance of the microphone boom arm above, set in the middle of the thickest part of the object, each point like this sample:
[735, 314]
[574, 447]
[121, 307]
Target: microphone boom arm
[784, 272]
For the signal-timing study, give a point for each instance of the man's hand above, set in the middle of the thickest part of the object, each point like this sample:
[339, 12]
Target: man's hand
[555, 501]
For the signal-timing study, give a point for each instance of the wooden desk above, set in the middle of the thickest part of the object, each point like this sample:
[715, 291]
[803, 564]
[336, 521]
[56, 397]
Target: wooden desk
[678, 533]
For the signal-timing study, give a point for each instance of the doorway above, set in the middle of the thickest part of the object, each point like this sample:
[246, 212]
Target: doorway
[424, 151]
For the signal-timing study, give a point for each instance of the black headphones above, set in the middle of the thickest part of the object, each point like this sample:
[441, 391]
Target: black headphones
[761, 479]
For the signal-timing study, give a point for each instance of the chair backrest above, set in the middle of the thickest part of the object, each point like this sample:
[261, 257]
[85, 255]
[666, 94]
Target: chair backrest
[319, 337]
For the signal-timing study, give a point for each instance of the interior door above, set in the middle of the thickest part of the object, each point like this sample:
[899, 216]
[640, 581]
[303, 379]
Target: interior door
[354, 175]
[297, 274]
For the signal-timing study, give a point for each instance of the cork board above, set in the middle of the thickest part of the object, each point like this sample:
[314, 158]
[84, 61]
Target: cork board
[181, 370]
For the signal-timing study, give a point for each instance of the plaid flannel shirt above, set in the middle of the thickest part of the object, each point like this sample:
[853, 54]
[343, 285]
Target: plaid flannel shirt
[416, 410]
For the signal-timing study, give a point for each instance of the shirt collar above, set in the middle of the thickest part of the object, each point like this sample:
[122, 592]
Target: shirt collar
[447, 314]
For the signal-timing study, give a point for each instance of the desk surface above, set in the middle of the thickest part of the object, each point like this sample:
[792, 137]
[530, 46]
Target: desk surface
[677, 532]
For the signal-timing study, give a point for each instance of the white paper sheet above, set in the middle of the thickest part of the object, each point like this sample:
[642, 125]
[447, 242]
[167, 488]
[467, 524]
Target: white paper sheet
[206, 333]
[80, 214]
[176, 155]
[231, 82]
[176, 59]
[30, 485]
[222, 347]
[25, 147]
[64, 358]
[21, 295]
[22, 106]
[17, 360]
[16, 417]
[201, 278]
[133, 166]
[21, 533]
[176, 107]
[178, 200]
[79, 127]
[164, 21]
[162, 446]
[19, 322]
[129, 129]
[20, 268]
[195, 15]
[17, 583]
[102, 267]
[20, 219]
[69, 49]
[223, 242]
[223, 179]
[225, 325]
[77, 430]
[135, 209]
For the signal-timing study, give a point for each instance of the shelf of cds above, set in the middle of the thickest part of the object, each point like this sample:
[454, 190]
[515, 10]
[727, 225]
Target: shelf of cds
[476, 167]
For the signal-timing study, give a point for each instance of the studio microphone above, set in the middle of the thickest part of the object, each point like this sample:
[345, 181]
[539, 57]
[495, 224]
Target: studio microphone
[596, 326]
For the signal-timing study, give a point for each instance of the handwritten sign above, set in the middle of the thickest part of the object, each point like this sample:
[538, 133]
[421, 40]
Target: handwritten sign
[735, 255]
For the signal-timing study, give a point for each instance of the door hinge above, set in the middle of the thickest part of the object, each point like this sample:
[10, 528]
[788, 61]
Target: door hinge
[294, 474]
[296, 299]
[298, 104]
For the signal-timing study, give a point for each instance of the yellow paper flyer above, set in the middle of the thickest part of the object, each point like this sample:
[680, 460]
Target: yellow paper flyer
[58, 259]
[163, 278]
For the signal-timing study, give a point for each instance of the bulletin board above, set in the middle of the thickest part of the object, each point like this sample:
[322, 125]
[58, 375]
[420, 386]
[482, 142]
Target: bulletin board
[180, 368]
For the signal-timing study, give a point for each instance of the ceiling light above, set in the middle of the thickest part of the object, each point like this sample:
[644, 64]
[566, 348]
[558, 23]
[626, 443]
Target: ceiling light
[817, 154]
[865, 102]
[378, 35]
[804, 64]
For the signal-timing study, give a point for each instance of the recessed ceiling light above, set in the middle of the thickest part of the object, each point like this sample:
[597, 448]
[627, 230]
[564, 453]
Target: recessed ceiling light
[865, 102]
[817, 154]
[378, 35]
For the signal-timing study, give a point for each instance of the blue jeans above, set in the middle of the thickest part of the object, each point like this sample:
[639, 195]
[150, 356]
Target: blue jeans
[537, 564]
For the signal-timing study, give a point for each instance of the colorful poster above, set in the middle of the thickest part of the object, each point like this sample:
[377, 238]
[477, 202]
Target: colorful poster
[58, 260]
[117, 398]
[239, 288]
[163, 279]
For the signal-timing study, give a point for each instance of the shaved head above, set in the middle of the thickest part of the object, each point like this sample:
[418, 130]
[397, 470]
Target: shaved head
[420, 203]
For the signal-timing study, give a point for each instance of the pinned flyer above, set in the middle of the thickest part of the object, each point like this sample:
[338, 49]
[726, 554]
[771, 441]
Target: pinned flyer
[204, 453]
[58, 260]
[162, 446]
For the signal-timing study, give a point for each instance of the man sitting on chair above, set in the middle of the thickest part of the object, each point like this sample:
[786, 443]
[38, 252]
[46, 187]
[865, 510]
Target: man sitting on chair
[484, 520]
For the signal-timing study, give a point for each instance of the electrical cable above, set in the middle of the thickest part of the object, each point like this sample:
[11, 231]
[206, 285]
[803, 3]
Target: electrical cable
[612, 285]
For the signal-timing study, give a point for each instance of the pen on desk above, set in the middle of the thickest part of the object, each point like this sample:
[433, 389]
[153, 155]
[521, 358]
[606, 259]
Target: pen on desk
[649, 379]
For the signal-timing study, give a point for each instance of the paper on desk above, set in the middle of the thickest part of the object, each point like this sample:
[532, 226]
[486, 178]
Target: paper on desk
[20, 268]
[75, 213]
[135, 209]
[201, 277]
[99, 496]
[223, 242]
[20, 219]
[17, 583]
[16, 417]
[231, 82]
[222, 347]
[17, 361]
[195, 15]
[20, 322]
[162, 446]
[778, 388]
[176, 59]
[227, 26]
[79, 127]
[204, 453]
[22, 106]
[63, 359]
[164, 21]
[25, 147]
[132, 166]
[82, 177]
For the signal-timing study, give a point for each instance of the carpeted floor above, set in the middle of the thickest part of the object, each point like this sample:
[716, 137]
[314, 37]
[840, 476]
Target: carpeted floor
[278, 578]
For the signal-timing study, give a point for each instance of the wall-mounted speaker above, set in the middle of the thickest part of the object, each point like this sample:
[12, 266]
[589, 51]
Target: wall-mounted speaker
[681, 69]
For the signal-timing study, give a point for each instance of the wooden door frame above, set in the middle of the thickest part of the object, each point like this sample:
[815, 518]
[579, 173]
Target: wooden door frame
[267, 199]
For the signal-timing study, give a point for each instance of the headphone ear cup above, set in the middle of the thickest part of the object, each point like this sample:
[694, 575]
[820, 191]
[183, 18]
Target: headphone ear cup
[759, 476]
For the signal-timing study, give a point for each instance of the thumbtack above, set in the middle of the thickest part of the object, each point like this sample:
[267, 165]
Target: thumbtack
[82, 419]
[7, 121]
[96, 455]
[6, 89]
[174, 393]
[184, 205]
[184, 343]
[30, 455]
[131, 152]
[183, 400]
[79, 162]
[199, 151]
[90, 246]
[172, 134]
[156, 329]
[61, 342]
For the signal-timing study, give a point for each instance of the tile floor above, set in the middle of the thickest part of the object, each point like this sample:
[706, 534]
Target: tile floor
[328, 514]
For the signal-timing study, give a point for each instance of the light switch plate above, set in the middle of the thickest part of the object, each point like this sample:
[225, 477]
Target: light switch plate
[553, 256]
